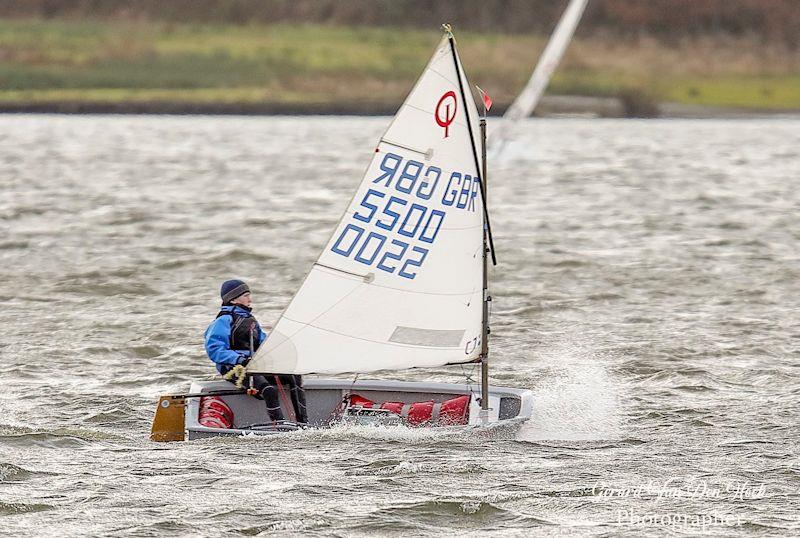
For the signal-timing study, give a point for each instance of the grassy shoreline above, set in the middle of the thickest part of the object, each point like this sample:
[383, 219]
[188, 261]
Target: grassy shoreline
[74, 66]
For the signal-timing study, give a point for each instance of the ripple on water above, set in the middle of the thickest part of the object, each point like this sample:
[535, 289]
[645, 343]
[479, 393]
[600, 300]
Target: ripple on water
[12, 245]
[449, 514]
[285, 525]
[103, 287]
[12, 473]
[57, 438]
[240, 255]
[400, 467]
[7, 509]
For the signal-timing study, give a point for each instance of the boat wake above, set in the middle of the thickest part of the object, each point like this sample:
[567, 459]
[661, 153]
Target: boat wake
[577, 399]
[373, 433]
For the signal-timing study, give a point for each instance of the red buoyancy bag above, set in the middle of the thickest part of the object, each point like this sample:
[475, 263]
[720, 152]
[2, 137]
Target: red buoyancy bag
[448, 413]
[215, 413]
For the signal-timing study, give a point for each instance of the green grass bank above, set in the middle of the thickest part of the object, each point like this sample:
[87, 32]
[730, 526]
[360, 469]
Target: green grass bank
[159, 66]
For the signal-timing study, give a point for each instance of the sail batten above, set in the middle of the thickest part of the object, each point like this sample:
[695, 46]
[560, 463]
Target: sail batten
[398, 285]
[401, 146]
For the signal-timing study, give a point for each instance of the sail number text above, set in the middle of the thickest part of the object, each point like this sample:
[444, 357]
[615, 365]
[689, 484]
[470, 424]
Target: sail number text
[393, 233]
[421, 181]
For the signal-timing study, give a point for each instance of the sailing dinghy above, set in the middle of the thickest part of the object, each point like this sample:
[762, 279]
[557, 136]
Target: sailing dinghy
[402, 283]
[525, 103]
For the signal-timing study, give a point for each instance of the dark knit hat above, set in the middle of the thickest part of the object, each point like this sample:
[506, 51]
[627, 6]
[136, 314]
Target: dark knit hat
[231, 289]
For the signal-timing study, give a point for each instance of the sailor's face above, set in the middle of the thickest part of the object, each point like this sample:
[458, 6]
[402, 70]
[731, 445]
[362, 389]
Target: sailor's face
[244, 300]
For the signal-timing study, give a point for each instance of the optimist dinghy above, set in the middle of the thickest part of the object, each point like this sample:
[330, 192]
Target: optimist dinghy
[402, 283]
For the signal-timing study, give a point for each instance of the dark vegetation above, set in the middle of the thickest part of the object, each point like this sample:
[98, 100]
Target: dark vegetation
[775, 21]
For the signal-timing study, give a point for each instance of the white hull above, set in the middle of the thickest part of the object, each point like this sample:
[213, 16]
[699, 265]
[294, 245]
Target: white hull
[324, 396]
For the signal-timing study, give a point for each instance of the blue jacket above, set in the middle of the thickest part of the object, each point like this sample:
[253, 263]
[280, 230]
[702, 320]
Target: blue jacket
[218, 339]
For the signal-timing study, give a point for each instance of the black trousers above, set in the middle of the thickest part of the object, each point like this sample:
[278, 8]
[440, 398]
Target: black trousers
[294, 383]
[271, 391]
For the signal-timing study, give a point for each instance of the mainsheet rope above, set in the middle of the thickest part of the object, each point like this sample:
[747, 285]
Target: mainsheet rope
[239, 372]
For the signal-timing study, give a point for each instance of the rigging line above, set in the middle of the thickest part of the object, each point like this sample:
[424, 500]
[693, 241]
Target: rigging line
[353, 384]
[474, 150]
[342, 405]
[468, 377]
[285, 400]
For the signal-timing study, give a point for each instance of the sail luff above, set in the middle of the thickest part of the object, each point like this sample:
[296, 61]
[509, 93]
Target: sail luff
[457, 65]
[486, 221]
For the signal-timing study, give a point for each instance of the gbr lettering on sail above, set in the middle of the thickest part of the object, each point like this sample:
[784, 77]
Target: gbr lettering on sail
[399, 217]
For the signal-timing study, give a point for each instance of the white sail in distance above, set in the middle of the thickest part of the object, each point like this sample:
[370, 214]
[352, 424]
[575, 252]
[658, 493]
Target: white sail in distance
[525, 103]
[399, 283]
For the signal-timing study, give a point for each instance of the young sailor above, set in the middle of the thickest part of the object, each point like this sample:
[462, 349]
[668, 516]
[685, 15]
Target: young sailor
[234, 336]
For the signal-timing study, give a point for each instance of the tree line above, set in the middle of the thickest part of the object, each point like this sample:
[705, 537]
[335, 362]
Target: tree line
[773, 21]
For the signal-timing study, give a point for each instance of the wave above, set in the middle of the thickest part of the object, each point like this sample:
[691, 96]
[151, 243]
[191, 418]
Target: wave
[12, 473]
[11, 245]
[450, 514]
[7, 509]
[393, 467]
[56, 438]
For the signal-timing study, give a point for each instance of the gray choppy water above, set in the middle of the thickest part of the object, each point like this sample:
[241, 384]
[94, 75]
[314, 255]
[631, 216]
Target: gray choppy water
[648, 293]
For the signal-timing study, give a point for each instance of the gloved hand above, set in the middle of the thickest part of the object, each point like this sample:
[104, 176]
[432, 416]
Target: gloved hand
[244, 361]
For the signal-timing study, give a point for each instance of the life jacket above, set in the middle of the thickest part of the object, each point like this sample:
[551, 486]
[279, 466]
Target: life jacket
[241, 329]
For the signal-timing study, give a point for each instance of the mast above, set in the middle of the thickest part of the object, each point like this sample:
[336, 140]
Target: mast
[488, 243]
[486, 296]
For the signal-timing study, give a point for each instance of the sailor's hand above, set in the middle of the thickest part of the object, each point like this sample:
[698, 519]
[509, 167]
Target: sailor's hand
[244, 361]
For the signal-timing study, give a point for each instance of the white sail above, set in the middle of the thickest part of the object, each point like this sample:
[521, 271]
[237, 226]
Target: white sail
[525, 103]
[399, 283]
